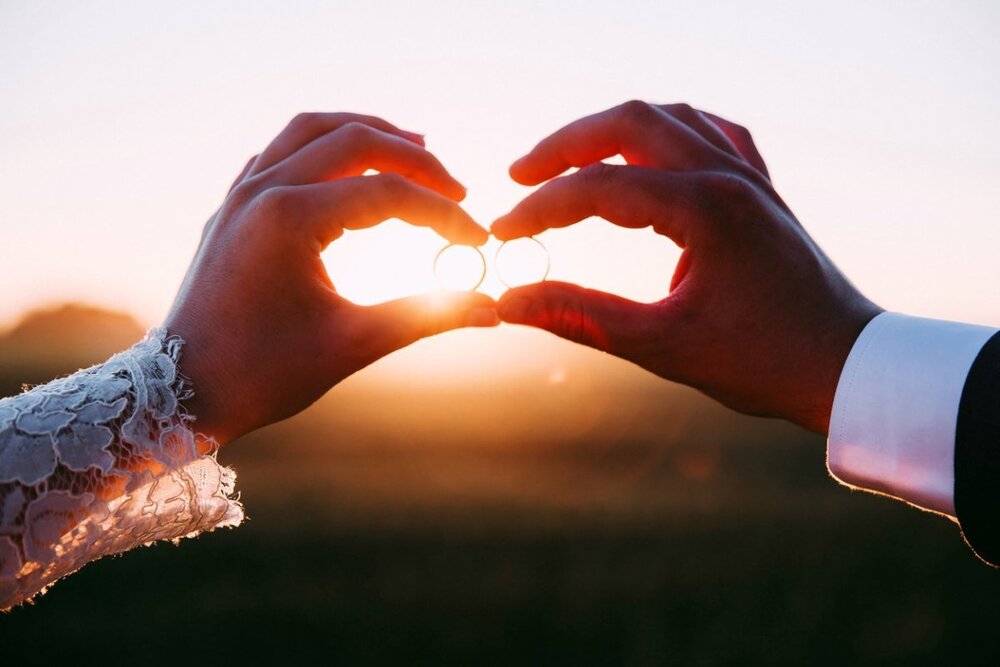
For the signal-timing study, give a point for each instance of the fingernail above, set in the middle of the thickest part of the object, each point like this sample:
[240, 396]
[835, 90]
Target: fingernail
[516, 309]
[482, 317]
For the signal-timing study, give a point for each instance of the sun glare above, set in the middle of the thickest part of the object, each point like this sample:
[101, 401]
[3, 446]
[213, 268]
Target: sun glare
[390, 261]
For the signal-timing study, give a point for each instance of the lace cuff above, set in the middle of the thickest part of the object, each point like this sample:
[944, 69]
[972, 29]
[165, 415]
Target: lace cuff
[100, 462]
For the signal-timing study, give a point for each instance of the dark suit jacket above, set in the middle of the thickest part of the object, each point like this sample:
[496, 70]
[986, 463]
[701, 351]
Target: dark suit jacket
[977, 455]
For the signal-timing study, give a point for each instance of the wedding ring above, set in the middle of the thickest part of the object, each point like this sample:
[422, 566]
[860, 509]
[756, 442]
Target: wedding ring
[522, 261]
[459, 267]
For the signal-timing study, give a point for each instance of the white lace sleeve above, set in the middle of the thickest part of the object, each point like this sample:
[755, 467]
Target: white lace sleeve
[100, 462]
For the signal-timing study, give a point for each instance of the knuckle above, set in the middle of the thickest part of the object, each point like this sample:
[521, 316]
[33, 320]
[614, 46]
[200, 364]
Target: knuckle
[375, 122]
[568, 318]
[728, 199]
[355, 133]
[391, 182]
[244, 191]
[740, 136]
[597, 173]
[684, 112]
[725, 187]
[302, 121]
[277, 203]
[392, 187]
[636, 110]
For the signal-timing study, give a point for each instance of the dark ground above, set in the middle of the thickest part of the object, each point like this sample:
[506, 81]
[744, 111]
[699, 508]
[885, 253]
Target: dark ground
[682, 535]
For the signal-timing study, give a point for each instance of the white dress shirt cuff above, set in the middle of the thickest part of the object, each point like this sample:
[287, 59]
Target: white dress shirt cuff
[892, 429]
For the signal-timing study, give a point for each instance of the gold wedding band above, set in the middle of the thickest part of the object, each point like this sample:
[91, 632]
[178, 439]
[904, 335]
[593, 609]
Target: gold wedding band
[460, 285]
[505, 276]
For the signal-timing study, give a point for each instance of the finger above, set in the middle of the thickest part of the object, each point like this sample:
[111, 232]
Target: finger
[306, 127]
[699, 122]
[597, 319]
[355, 148]
[325, 210]
[627, 196]
[742, 139]
[396, 324]
[641, 133]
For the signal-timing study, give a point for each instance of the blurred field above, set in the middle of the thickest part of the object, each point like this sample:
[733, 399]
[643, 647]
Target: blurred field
[601, 516]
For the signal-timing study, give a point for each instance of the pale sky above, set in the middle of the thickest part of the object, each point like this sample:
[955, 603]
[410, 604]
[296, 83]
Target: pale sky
[122, 124]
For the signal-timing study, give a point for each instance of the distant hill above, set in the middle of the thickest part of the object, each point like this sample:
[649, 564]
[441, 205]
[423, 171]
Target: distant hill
[60, 339]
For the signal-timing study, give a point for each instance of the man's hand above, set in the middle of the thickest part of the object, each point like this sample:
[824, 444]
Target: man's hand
[757, 317]
[266, 332]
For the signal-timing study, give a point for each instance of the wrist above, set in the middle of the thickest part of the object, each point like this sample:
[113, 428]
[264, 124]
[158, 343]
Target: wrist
[210, 400]
[833, 353]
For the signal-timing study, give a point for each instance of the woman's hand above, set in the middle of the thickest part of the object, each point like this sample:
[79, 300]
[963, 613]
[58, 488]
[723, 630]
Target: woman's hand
[758, 316]
[267, 334]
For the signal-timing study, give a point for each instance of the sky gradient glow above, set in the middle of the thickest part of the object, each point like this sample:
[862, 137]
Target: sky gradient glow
[122, 124]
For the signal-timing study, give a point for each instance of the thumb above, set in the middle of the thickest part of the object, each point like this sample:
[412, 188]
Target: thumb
[597, 319]
[396, 324]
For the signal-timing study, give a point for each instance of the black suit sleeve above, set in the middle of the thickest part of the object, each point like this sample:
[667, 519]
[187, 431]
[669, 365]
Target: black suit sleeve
[977, 455]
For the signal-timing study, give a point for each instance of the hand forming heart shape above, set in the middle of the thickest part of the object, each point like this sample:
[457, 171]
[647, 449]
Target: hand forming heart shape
[267, 333]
